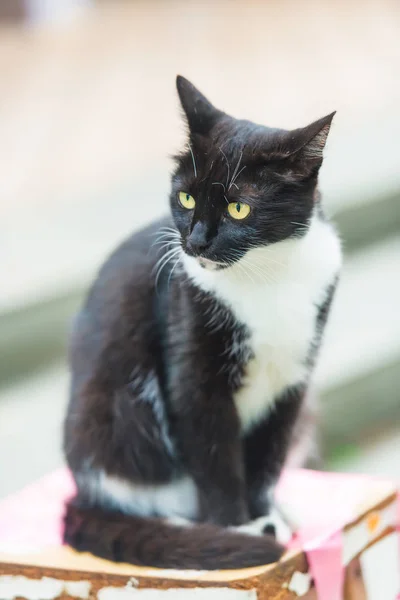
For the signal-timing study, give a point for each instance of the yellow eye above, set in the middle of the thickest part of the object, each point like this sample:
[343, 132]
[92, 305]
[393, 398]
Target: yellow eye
[238, 210]
[186, 200]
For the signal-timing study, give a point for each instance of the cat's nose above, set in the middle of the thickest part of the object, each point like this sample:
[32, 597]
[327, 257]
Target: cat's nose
[197, 242]
[195, 248]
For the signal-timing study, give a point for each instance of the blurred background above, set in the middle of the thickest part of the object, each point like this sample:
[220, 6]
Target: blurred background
[88, 118]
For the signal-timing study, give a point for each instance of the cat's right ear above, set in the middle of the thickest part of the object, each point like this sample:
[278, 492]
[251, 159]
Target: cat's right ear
[200, 113]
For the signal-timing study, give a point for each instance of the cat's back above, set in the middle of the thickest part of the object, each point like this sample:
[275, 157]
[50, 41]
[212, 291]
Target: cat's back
[116, 363]
[122, 303]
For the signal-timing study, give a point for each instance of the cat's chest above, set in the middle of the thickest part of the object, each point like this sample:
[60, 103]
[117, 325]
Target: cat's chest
[281, 322]
[277, 304]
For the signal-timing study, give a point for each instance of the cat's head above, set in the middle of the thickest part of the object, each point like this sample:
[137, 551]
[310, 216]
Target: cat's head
[238, 185]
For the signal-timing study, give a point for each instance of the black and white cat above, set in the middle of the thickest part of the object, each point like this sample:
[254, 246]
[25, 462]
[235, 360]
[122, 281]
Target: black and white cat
[192, 357]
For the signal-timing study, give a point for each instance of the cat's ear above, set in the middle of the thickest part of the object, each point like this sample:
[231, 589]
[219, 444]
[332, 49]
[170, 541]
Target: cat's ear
[303, 148]
[200, 113]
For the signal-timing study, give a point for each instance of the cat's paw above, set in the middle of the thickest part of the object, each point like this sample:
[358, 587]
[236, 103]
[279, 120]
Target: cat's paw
[179, 522]
[272, 524]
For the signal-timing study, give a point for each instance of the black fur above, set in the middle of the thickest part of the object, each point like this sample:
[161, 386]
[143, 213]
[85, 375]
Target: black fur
[153, 385]
[146, 541]
[279, 177]
[266, 447]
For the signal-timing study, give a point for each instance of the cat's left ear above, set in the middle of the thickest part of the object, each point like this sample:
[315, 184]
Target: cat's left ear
[200, 113]
[305, 146]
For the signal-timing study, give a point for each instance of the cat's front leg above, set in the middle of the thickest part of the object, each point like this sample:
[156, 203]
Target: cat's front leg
[207, 435]
[265, 449]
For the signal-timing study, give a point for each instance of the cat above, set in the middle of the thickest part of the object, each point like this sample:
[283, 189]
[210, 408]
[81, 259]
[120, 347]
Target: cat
[192, 357]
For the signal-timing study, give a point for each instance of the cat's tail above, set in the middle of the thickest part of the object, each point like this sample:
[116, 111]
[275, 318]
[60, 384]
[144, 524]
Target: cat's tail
[158, 543]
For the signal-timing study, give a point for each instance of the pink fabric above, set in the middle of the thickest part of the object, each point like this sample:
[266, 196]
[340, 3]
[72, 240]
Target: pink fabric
[325, 563]
[398, 530]
[326, 502]
[33, 518]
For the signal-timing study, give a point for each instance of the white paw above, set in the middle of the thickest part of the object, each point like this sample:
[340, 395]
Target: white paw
[283, 531]
[179, 522]
[260, 526]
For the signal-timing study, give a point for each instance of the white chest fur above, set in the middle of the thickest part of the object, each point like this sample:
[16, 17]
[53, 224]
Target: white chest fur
[275, 291]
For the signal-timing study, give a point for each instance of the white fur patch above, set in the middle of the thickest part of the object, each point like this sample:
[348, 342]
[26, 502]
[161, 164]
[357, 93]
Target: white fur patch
[175, 499]
[179, 522]
[147, 389]
[283, 532]
[275, 292]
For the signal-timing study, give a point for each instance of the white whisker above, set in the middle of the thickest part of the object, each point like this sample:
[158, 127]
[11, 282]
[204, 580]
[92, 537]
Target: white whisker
[267, 251]
[219, 183]
[164, 256]
[253, 269]
[167, 238]
[164, 260]
[164, 229]
[236, 173]
[168, 234]
[262, 271]
[245, 272]
[236, 176]
[194, 162]
[301, 224]
[227, 164]
[173, 269]
[162, 244]
[236, 168]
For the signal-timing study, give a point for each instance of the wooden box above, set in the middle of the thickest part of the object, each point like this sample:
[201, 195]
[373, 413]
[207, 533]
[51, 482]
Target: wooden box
[347, 547]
